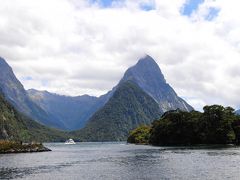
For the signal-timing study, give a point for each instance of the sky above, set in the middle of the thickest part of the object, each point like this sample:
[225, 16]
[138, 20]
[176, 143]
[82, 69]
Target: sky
[76, 47]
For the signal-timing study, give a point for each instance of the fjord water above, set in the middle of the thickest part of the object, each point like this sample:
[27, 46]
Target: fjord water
[122, 161]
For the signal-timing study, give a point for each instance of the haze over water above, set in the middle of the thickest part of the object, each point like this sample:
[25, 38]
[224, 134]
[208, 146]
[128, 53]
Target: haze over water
[121, 161]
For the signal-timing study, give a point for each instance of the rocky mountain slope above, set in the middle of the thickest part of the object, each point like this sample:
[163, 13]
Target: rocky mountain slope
[148, 76]
[128, 108]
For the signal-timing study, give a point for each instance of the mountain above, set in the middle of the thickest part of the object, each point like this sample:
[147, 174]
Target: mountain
[141, 96]
[16, 126]
[15, 93]
[237, 112]
[62, 112]
[148, 76]
[128, 108]
[72, 111]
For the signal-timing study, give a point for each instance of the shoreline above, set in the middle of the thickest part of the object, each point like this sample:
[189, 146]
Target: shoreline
[11, 147]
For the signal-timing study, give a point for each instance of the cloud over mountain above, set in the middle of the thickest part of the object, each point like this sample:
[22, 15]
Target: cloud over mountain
[88, 45]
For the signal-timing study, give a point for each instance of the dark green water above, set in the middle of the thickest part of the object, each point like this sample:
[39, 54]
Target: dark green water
[107, 161]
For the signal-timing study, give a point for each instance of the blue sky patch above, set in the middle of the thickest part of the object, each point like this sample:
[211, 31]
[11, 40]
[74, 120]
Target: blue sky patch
[191, 6]
[147, 6]
[27, 78]
[109, 3]
[213, 12]
[104, 3]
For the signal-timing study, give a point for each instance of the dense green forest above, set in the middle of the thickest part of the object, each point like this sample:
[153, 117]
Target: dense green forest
[16, 126]
[128, 108]
[215, 125]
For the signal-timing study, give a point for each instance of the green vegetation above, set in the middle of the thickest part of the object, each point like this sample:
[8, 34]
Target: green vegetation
[18, 147]
[128, 108]
[140, 135]
[216, 125]
[17, 127]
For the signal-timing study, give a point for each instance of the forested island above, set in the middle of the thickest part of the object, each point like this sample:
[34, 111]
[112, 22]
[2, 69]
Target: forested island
[215, 125]
[19, 147]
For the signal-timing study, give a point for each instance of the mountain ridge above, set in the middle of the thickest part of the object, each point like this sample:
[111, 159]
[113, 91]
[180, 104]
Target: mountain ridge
[73, 112]
[147, 75]
[72, 109]
[128, 108]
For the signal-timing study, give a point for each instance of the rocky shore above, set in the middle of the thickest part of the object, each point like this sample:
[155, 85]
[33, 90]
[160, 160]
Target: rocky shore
[19, 147]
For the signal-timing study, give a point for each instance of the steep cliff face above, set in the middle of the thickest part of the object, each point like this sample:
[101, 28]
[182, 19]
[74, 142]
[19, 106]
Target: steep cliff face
[148, 76]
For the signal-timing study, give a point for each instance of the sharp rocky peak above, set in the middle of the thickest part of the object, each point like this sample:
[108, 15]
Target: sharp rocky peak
[147, 75]
[147, 60]
[146, 70]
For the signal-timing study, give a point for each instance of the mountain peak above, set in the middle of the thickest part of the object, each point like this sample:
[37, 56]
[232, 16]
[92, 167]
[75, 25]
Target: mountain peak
[147, 60]
[146, 69]
[147, 75]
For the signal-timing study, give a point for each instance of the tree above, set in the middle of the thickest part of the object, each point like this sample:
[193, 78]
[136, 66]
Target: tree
[216, 125]
[139, 135]
[176, 128]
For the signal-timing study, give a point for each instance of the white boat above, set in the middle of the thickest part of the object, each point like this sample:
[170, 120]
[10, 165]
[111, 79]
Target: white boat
[70, 141]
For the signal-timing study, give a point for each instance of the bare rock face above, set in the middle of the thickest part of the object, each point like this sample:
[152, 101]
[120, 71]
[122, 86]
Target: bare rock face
[148, 76]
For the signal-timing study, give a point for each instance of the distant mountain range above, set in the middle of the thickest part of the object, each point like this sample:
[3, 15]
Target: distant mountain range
[73, 112]
[140, 96]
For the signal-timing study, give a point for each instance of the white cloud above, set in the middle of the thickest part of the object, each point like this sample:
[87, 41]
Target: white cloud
[72, 47]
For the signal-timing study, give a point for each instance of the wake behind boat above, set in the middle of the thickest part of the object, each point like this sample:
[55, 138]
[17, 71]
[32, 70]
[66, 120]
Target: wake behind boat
[70, 141]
